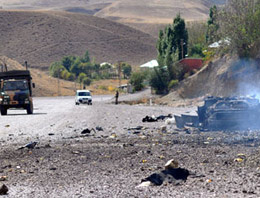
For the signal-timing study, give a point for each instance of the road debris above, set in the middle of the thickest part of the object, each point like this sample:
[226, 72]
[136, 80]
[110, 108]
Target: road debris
[31, 145]
[155, 119]
[113, 136]
[224, 113]
[3, 190]
[170, 121]
[149, 119]
[87, 131]
[136, 128]
[3, 178]
[98, 128]
[171, 174]
[171, 164]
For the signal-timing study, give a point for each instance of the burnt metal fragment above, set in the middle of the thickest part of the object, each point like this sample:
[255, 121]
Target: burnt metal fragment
[224, 113]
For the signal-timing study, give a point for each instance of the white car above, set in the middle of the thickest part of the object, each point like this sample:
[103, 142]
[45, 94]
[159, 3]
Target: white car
[83, 97]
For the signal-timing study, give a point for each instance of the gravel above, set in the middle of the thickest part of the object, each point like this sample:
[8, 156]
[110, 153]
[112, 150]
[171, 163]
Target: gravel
[112, 162]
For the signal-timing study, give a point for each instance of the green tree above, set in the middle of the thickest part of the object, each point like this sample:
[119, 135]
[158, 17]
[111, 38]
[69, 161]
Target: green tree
[86, 81]
[160, 79]
[137, 79]
[239, 22]
[171, 47]
[212, 26]
[197, 39]
[81, 77]
[180, 38]
[85, 58]
[55, 69]
[127, 69]
[67, 61]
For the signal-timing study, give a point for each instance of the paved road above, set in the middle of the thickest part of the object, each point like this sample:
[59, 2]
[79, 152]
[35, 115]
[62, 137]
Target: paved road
[61, 117]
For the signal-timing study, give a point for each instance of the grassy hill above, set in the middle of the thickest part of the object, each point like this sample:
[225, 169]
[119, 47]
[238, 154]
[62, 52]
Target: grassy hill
[41, 37]
[147, 16]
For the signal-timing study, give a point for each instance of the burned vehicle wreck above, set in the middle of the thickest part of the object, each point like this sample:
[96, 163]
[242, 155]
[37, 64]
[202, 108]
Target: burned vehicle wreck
[224, 113]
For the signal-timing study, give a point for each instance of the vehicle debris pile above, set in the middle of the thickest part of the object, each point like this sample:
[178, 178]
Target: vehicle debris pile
[224, 113]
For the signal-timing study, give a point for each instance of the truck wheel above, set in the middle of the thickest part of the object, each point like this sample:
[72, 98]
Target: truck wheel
[29, 109]
[3, 111]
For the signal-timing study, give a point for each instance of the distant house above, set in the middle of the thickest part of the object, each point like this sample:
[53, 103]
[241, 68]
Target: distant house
[151, 64]
[192, 63]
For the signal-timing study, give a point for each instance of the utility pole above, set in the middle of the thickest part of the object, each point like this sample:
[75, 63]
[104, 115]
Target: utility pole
[119, 72]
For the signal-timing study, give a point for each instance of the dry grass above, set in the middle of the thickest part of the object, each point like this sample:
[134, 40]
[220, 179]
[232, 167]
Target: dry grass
[144, 15]
[44, 37]
[49, 86]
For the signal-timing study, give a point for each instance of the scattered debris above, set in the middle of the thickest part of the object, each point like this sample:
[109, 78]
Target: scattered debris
[3, 190]
[98, 128]
[87, 131]
[238, 159]
[149, 119]
[171, 174]
[136, 132]
[162, 117]
[31, 145]
[155, 119]
[224, 113]
[163, 129]
[170, 121]
[3, 178]
[171, 164]
[113, 136]
[47, 146]
[76, 152]
[136, 128]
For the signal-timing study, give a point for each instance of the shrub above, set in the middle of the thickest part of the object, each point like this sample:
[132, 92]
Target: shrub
[159, 80]
[103, 87]
[86, 81]
[173, 83]
[137, 79]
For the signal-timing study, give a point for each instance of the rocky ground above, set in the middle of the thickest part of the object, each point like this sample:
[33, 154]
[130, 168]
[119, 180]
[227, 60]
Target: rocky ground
[113, 160]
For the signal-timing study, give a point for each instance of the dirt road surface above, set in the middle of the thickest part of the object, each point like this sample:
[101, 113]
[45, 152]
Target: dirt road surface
[111, 162]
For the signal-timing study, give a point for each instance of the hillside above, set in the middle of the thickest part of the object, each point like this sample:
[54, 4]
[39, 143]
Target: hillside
[44, 37]
[147, 16]
[227, 76]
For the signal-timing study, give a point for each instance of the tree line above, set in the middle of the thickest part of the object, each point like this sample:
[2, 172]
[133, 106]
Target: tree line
[84, 70]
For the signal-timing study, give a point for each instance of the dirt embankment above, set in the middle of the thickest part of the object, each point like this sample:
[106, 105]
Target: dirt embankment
[226, 76]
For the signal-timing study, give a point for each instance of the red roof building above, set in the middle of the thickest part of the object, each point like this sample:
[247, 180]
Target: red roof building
[191, 63]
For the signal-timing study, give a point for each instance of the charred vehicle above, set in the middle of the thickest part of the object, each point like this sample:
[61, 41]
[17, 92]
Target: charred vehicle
[217, 113]
[16, 91]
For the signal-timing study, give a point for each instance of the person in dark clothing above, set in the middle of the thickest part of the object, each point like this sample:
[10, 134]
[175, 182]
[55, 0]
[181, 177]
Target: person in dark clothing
[116, 97]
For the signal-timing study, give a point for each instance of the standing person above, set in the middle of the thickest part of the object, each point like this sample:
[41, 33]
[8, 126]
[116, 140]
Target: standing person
[116, 97]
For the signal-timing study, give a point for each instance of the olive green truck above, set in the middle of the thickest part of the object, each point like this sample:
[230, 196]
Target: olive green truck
[16, 91]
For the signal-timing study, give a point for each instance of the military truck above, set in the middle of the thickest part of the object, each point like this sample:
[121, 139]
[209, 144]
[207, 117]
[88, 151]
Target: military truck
[16, 91]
